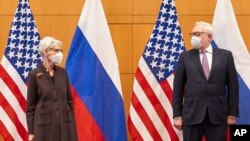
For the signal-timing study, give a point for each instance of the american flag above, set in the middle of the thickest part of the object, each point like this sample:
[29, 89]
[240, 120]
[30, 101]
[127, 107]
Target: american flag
[150, 115]
[20, 57]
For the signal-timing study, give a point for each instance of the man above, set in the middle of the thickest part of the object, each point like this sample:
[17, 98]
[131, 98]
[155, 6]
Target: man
[205, 99]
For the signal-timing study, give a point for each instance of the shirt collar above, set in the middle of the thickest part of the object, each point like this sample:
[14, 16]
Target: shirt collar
[209, 49]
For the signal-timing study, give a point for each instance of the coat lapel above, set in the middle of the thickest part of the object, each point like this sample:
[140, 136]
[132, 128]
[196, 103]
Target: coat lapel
[197, 62]
[215, 59]
[46, 74]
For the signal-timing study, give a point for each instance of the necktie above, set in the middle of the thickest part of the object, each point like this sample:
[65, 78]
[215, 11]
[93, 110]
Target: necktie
[204, 63]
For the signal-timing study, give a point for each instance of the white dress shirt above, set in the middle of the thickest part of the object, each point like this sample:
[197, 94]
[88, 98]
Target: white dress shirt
[209, 52]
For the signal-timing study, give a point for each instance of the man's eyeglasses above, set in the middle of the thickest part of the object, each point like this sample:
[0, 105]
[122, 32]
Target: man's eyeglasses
[197, 34]
[55, 50]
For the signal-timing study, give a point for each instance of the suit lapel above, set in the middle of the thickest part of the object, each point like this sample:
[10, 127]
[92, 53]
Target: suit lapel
[197, 62]
[215, 60]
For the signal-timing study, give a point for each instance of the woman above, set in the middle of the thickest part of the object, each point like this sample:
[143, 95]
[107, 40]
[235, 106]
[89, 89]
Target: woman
[50, 113]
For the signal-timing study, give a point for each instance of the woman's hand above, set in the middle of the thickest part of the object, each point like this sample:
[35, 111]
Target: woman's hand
[31, 137]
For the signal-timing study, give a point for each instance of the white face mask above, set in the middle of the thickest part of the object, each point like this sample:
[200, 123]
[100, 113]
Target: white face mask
[56, 58]
[196, 42]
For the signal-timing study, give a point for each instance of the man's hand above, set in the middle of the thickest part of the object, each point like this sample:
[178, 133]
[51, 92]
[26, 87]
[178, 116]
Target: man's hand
[231, 120]
[178, 123]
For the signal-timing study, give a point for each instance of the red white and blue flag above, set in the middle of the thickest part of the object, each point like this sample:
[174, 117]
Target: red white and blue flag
[150, 115]
[227, 36]
[94, 75]
[20, 57]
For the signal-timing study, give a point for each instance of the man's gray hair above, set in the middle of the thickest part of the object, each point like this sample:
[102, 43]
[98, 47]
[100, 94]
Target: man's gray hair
[46, 43]
[207, 26]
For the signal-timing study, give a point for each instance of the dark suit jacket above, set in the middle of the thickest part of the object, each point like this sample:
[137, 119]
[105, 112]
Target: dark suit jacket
[50, 106]
[194, 94]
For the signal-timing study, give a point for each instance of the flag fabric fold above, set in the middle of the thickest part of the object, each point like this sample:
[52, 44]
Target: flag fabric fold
[227, 36]
[150, 115]
[20, 57]
[93, 72]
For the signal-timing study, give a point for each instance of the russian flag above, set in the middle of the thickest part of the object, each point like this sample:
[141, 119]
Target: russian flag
[227, 36]
[93, 72]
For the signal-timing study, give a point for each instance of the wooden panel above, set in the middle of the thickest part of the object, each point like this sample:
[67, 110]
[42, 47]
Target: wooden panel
[41, 7]
[69, 7]
[187, 24]
[4, 32]
[145, 19]
[127, 84]
[241, 6]
[122, 19]
[146, 7]
[72, 7]
[201, 7]
[122, 39]
[195, 7]
[47, 26]
[8, 7]
[141, 34]
[243, 22]
[59, 27]
[141, 7]
[56, 7]
[117, 7]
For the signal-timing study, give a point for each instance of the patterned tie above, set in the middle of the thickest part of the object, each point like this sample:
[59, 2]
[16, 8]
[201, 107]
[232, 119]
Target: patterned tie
[204, 63]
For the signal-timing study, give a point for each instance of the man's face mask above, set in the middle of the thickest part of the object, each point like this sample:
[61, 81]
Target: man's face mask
[196, 42]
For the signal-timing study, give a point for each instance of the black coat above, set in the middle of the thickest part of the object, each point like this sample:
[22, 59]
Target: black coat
[50, 113]
[194, 94]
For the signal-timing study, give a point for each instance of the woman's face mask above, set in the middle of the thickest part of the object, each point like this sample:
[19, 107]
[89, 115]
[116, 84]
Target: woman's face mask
[56, 58]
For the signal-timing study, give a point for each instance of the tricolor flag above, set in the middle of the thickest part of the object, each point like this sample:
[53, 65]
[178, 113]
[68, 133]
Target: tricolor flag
[227, 36]
[150, 115]
[20, 57]
[93, 71]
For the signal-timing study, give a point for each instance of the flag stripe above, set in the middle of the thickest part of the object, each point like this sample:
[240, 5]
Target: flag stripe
[224, 19]
[139, 127]
[14, 76]
[138, 107]
[244, 99]
[167, 88]
[20, 57]
[134, 130]
[13, 117]
[151, 111]
[89, 23]
[94, 74]
[161, 97]
[9, 125]
[155, 99]
[225, 23]
[13, 88]
[159, 93]
[4, 132]
[86, 126]
[95, 104]
[153, 81]
[13, 102]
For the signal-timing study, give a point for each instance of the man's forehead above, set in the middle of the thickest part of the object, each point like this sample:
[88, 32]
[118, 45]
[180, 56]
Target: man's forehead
[198, 28]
